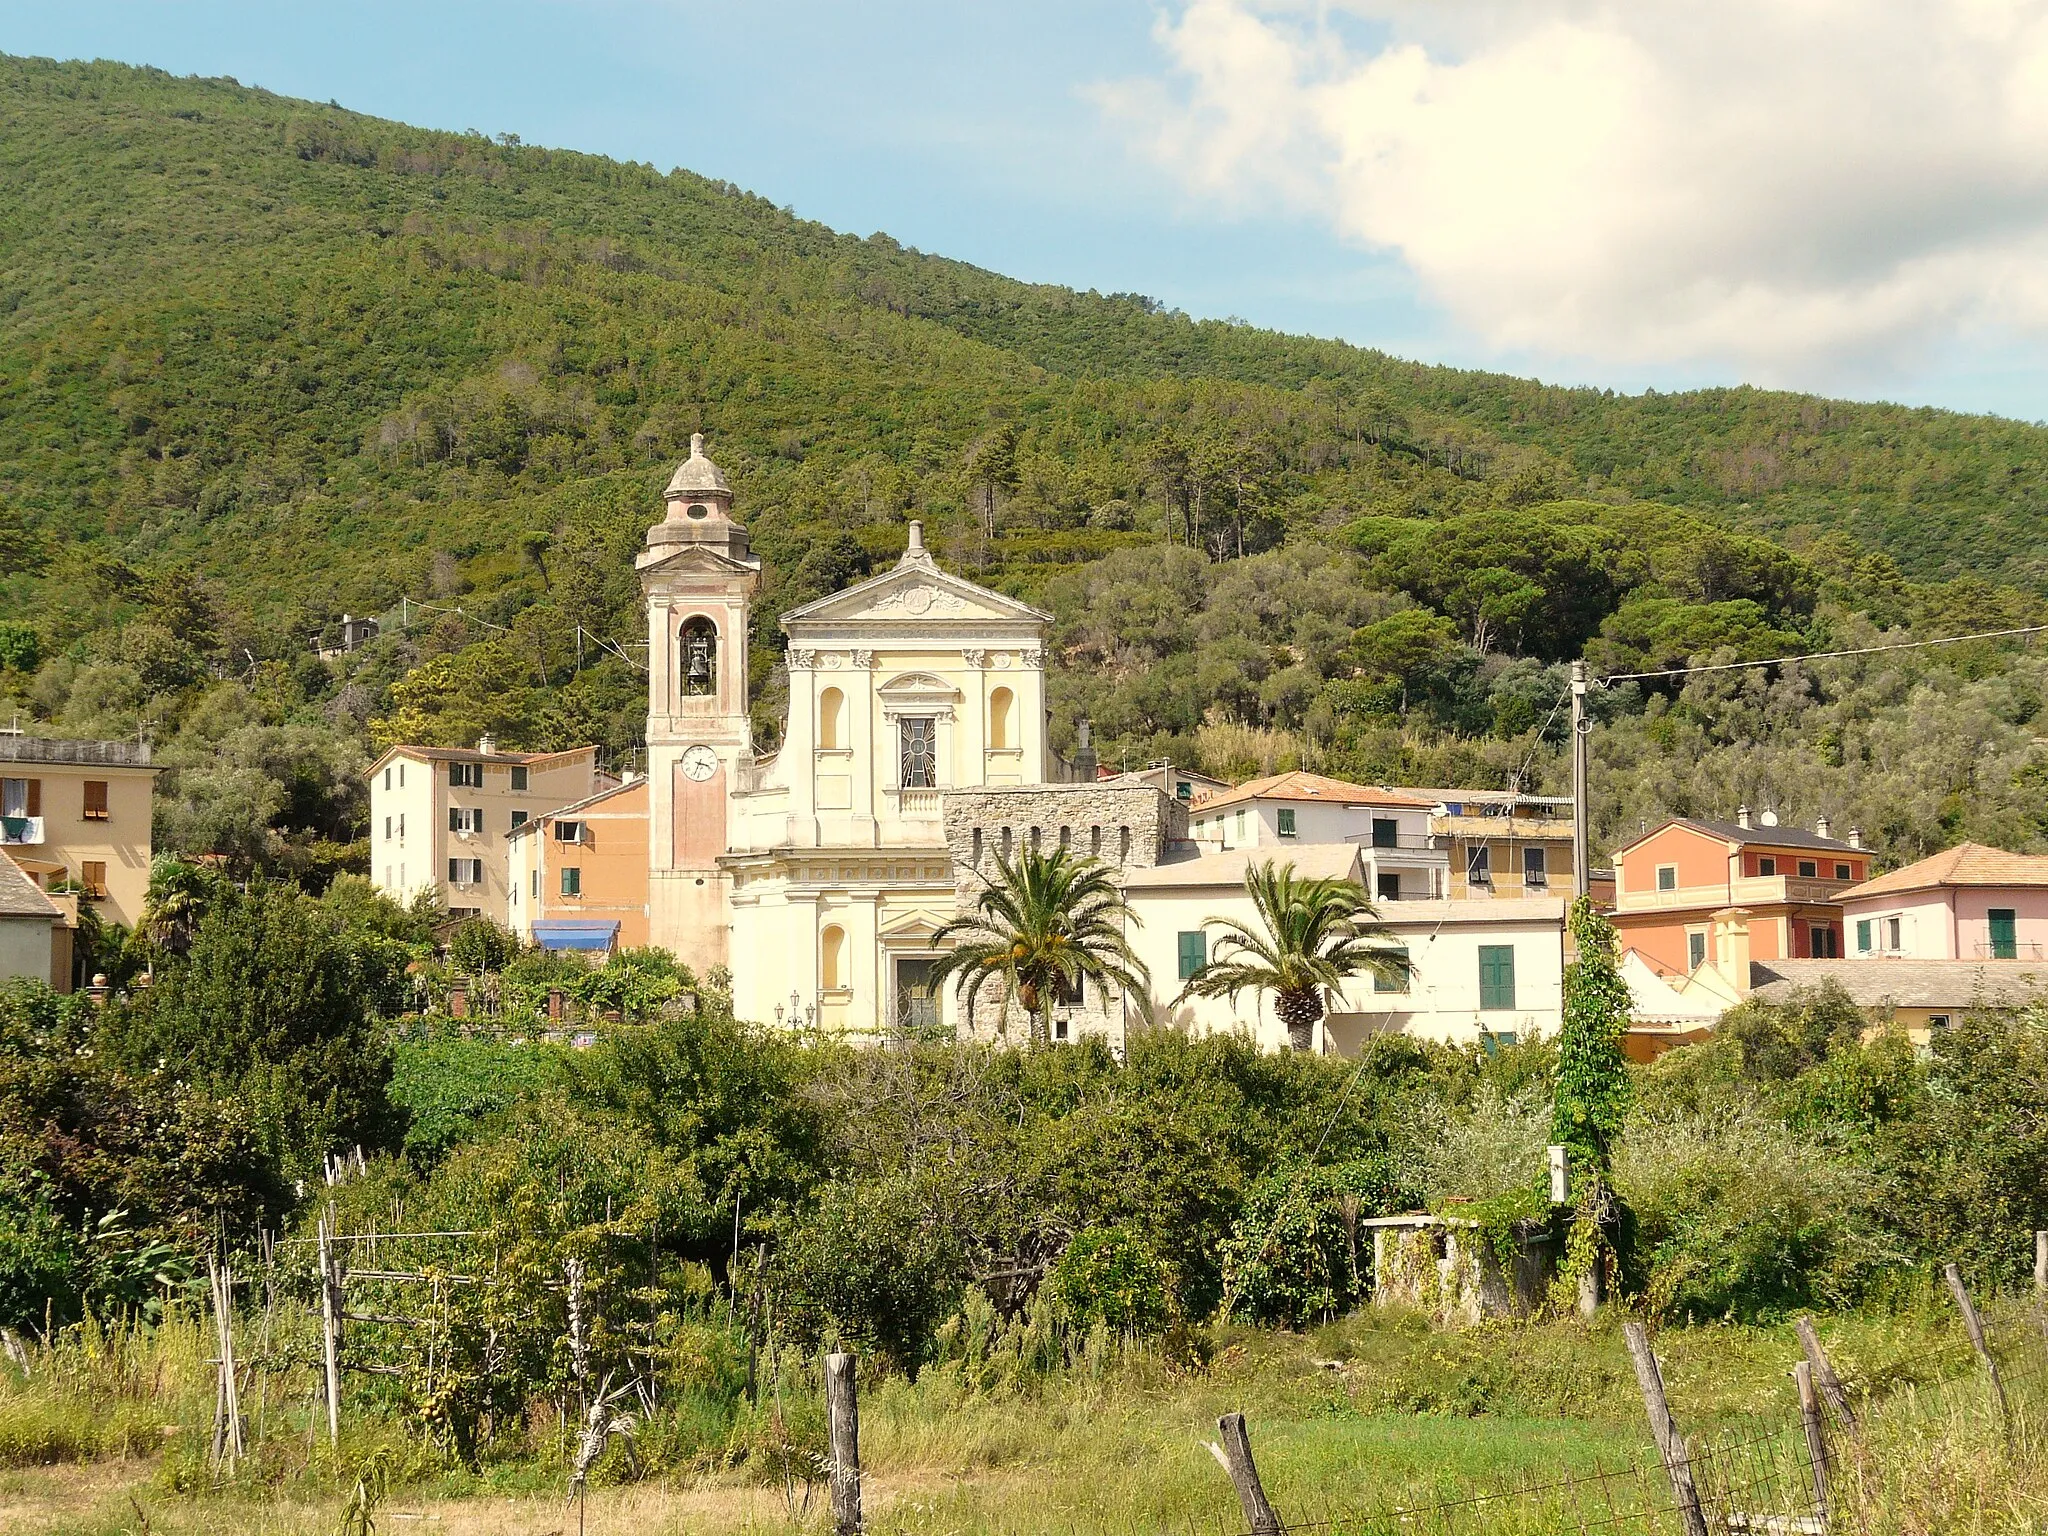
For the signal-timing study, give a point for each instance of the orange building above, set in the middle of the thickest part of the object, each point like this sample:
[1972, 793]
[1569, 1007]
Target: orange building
[579, 874]
[1669, 883]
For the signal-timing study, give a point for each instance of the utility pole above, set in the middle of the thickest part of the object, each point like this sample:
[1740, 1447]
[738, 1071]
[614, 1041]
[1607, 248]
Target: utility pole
[1580, 727]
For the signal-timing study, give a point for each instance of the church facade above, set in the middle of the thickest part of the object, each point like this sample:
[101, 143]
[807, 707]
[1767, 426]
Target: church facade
[817, 874]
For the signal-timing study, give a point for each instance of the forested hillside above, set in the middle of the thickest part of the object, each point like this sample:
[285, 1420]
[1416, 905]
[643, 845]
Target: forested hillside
[264, 361]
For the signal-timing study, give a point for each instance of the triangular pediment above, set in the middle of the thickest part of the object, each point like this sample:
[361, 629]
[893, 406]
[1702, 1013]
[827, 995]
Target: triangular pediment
[688, 558]
[916, 592]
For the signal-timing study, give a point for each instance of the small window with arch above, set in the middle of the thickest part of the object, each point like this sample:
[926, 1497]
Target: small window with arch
[699, 657]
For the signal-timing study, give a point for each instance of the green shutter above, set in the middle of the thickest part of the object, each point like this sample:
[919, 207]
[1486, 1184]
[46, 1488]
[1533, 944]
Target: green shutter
[1286, 821]
[2005, 936]
[1394, 984]
[1496, 976]
[1194, 953]
[1862, 935]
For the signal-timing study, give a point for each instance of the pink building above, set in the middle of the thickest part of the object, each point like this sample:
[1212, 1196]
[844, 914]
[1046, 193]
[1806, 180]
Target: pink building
[1969, 902]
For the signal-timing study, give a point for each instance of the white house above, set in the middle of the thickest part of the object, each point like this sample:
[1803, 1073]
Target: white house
[1404, 859]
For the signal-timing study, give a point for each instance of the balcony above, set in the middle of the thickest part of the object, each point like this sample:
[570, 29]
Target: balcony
[2011, 949]
[21, 831]
[1748, 891]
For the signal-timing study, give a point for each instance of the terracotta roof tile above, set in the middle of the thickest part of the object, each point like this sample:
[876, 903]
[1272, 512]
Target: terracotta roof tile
[1966, 864]
[1313, 788]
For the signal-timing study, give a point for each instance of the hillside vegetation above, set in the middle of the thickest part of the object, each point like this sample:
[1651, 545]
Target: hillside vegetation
[264, 361]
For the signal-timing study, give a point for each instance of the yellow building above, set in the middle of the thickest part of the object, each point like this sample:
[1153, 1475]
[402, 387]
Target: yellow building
[79, 812]
[439, 817]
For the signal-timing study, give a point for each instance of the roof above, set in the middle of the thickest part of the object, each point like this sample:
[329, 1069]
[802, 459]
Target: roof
[697, 475]
[1746, 837]
[1313, 787]
[22, 897]
[16, 748]
[1653, 999]
[1311, 861]
[576, 806]
[472, 755]
[1966, 864]
[1948, 984]
[939, 595]
[1481, 796]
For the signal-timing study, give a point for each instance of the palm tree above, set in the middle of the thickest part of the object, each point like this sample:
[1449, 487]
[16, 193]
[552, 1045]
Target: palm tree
[1317, 933]
[1042, 924]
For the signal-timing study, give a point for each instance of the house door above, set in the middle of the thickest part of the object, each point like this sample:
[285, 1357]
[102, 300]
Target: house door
[2005, 934]
[917, 999]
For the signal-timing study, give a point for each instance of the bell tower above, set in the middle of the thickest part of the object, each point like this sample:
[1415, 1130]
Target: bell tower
[699, 578]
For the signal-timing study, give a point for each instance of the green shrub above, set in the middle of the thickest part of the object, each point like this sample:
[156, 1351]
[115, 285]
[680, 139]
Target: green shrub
[1293, 1256]
[1109, 1275]
[869, 1268]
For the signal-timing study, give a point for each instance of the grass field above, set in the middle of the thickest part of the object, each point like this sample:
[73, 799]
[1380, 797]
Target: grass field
[109, 1434]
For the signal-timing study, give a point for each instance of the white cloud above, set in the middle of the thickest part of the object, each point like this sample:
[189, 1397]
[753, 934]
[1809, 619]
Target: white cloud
[1782, 185]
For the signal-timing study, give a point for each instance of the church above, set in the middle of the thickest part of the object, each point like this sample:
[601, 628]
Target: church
[817, 874]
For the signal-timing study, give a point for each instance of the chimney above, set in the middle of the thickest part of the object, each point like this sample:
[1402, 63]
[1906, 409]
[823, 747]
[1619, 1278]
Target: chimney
[1731, 947]
[486, 744]
[1820, 827]
[1855, 837]
[1742, 816]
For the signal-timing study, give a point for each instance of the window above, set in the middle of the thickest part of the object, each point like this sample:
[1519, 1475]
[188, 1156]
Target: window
[1862, 935]
[465, 819]
[2005, 939]
[1535, 866]
[974, 859]
[572, 882]
[1667, 877]
[533, 885]
[387, 829]
[1937, 1021]
[698, 655]
[1194, 952]
[831, 720]
[1070, 995]
[518, 819]
[96, 800]
[1387, 885]
[401, 826]
[387, 778]
[466, 775]
[1842, 872]
[568, 831]
[1286, 821]
[1766, 865]
[1183, 791]
[1496, 977]
[1095, 842]
[1002, 706]
[401, 775]
[21, 797]
[1386, 832]
[1695, 951]
[1823, 943]
[1479, 865]
[1392, 983]
[1808, 869]
[519, 776]
[918, 736]
[465, 871]
[1893, 934]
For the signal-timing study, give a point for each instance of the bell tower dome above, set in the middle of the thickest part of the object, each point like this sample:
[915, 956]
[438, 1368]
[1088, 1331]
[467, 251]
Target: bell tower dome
[699, 577]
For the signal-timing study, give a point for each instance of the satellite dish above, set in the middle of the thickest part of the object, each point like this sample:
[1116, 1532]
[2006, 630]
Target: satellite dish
[1768, 819]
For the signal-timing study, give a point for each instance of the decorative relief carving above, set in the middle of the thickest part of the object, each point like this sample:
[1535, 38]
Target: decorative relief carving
[975, 657]
[1035, 660]
[802, 661]
[863, 659]
[1002, 661]
[918, 601]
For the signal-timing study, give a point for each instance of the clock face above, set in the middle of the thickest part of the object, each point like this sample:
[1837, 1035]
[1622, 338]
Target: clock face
[700, 763]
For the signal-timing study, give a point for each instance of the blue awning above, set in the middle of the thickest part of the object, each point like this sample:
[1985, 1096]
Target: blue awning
[576, 933]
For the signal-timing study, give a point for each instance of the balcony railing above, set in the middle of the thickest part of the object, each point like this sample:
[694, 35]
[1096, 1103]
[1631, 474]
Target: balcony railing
[918, 802]
[2012, 949]
[1403, 841]
[21, 831]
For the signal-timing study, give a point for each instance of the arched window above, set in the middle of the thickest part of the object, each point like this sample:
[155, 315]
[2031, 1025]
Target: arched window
[1095, 842]
[831, 718]
[1066, 838]
[975, 860]
[832, 960]
[1123, 845]
[698, 657]
[1002, 711]
[1006, 843]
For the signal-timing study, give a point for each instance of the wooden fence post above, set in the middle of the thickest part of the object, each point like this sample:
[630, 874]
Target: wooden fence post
[2041, 1266]
[1975, 1327]
[1685, 1494]
[1235, 1453]
[1816, 1437]
[1824, 1375]
[842, 1412]
[330, 1323]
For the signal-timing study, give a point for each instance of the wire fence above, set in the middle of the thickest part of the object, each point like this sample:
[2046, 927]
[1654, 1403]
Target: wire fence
[1830, 1467]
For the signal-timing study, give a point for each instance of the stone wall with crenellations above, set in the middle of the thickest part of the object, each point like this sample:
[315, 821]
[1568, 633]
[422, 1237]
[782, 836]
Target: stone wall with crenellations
[1125, 825]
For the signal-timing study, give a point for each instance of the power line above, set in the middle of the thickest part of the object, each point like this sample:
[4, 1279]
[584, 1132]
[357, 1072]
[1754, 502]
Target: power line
[1861, 650]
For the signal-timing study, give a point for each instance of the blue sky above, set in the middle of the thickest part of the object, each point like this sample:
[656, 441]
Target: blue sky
[1189, 152]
